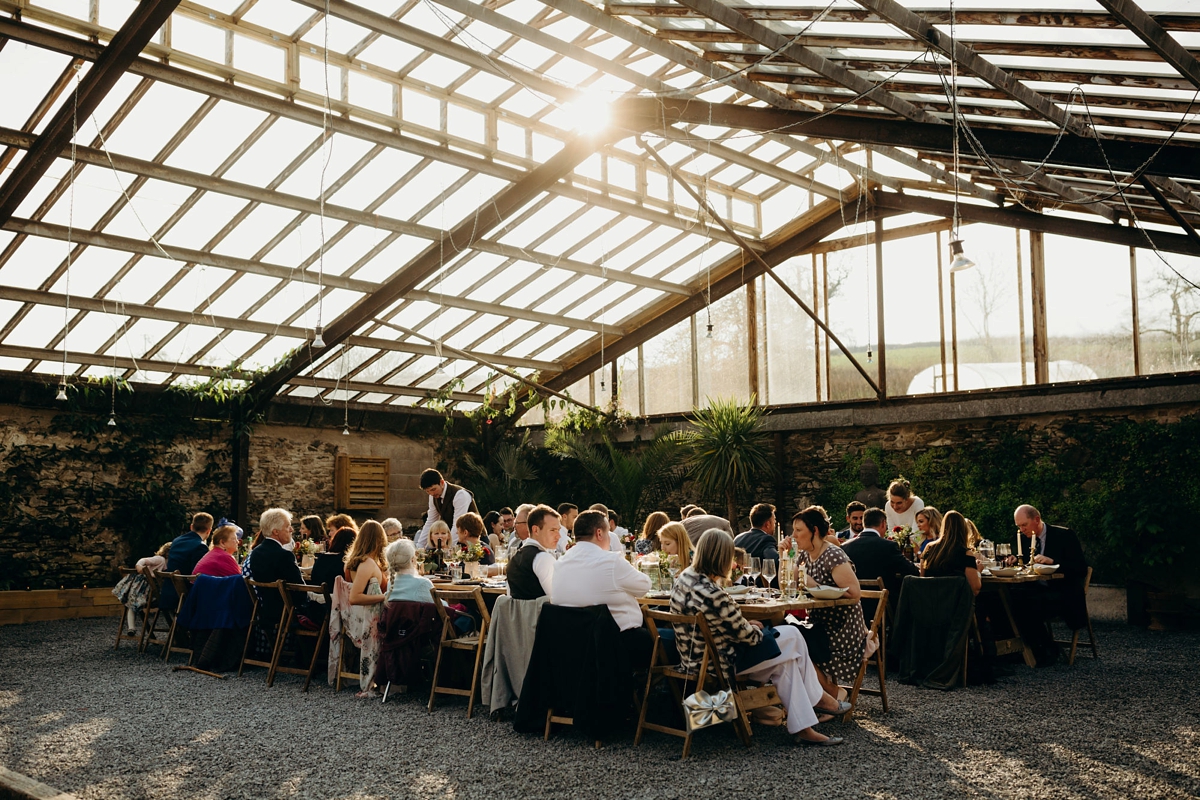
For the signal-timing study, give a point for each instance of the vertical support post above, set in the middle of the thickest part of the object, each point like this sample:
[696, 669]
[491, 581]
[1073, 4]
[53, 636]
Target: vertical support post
[941, 308]
[954, 329]
[1137, 325]
[641, 373]
[1021, 308]
[816, 331]
[882, 346]
[239, 477]
[764, 376]
[780, 477]
[752, 338]
[615, 396]
[695, 366]
[825, 319]
[1037, 293]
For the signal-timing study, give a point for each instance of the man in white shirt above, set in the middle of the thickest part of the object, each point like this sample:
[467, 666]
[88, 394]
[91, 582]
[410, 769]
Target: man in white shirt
[447, 502]
[567, 512]
[520, 530]
[590, 574]
[614, 538]
[531, 570]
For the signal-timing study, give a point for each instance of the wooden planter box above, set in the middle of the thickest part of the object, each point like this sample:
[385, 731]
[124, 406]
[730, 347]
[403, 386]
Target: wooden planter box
[47, 604]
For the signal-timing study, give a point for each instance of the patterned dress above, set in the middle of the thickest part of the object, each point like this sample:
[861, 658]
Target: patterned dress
[847, 631]
[361, 625]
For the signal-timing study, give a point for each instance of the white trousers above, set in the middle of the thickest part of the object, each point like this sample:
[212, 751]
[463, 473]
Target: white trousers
[794, 677]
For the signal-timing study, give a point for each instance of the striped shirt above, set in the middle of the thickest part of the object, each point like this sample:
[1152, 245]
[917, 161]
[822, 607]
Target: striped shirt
[698, 594]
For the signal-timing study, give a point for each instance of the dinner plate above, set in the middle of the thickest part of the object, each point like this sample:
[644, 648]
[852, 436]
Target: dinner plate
[736, 590]
[1004, 572]
[1045, 569]
[826, 592]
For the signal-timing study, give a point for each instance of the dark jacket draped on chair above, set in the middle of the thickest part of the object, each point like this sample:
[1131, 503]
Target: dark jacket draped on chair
[931, 630]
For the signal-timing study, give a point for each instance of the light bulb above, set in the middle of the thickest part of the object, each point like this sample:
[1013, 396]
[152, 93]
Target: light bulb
[869, 355]
[62, 392]
[960, 261]
[318, 339]
[708, 335]
[346, 431]
[112, 421]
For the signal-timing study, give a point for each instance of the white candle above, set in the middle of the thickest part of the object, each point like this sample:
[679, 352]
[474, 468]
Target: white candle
[1019, 552]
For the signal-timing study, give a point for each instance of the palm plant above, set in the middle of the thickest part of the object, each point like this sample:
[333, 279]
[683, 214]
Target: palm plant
[634, 479]
[506, 478]
[729, 451]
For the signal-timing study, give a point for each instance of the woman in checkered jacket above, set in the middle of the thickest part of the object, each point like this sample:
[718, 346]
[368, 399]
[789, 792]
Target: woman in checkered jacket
[698, 591]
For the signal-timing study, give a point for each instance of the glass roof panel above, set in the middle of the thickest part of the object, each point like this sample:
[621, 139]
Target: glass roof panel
[40, 325]
[183, 346]
[334, 159]
[39, 69]
[90, 271]
[254, 231]
[152, 205]
[194, 285]
[232, 348]
[279, 146]
[197, 227]
[391, 54]
[391, 259]
[340, 34]
[33, 262]
[246, 291]
[138, 338]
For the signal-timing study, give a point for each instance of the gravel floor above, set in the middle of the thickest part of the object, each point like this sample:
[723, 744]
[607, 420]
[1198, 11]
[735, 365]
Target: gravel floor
[98, 723]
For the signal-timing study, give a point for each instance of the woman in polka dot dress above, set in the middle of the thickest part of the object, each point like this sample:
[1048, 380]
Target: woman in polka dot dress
[828, 565]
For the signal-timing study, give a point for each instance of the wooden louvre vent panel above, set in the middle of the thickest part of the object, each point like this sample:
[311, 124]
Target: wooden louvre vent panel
[361, 482]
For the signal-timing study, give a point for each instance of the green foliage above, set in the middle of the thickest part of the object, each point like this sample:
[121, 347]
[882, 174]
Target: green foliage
[632, 479]
[729, 450]
[507, 474]
[1123, 488]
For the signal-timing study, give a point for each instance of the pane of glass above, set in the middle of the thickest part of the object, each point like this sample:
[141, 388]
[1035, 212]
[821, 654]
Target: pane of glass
[722, 355]
[786, 339]
[668, 370]
[1168, 308]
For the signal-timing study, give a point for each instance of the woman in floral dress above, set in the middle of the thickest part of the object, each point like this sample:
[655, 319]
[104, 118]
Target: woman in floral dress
[828, 565]
[367, 574]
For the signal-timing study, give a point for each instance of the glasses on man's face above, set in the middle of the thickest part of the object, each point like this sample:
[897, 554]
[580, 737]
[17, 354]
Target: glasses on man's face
[521, 522]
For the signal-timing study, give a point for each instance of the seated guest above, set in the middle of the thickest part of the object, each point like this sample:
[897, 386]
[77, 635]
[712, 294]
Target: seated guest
[491, 526]
[698, 591]
[902, 505]
[367, 576]
[567, 512]
[520, 530]
[272, 560]
[949, 555]
[219, 561]
[327, 567]
[875, 556]
[759, 541]
[405, 582]
[156, 562]
[439, 536]
[339, 521]
[828, 565]
[674, 541]
[614, 526]
[614, 541]
[392, 529]
[854, 521]
[134, 590]
[929, 523]
[1052, 544]
[186, 551]
[647, 541]
[531, 570]
[590, 574]
[312, 529]
[469, 528]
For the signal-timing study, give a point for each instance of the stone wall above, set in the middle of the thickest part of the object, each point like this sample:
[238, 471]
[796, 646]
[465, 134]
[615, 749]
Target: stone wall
[293, 467]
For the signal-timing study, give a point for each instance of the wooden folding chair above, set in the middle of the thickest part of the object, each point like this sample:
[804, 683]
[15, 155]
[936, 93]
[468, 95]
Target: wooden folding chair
[451, 641]
[746, 699]
[183, 585]
[255, 619]
[136, 636]
[154, 613]
[879, 658]
[290, 627]
[1074, 640]
[661, 670]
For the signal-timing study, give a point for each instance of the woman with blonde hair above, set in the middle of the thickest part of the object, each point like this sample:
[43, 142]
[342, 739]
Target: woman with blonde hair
[366, 572]
[929, 526]
[647, 541]
[739, 641]
[673, 539]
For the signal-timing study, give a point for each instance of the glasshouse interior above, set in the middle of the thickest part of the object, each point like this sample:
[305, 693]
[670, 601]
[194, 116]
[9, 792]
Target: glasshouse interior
[646, 254]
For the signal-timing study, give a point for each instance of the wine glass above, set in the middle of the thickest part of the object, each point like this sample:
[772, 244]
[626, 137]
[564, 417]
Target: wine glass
[755, 570]
[768, 572]
[673, 568]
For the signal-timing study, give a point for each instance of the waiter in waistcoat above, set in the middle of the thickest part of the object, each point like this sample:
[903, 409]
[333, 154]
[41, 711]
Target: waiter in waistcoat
[447, 502]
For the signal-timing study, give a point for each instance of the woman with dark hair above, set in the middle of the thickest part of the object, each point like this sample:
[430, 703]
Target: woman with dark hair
[950, 555]
[312, 528]
[828, 565]
[902, 505]
[648, 541]
[326, 567]
[492, 531]
[698, 590]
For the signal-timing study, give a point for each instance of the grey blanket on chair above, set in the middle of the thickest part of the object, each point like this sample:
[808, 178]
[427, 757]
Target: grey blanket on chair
[506, 654]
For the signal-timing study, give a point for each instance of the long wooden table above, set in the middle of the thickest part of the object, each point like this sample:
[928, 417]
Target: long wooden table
[1000, 585]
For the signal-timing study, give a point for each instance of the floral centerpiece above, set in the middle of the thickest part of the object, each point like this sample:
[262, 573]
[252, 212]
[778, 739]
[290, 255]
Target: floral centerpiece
[901, 535]
[472, 553]
[305, 547]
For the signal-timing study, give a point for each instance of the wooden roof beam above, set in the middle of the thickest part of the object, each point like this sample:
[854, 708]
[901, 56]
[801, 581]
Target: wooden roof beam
[1156, 38]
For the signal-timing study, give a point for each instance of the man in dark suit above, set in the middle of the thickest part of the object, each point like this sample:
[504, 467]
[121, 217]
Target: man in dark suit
[274, 560]
[186, 550]
[874, 556]
[854, 521]
[759, 541]
[1052, 544]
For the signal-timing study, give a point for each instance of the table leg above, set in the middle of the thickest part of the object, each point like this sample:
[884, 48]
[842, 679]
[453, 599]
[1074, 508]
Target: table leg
[1006, 646]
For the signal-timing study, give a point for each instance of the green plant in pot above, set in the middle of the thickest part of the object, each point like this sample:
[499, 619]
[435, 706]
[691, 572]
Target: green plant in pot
[729, 451]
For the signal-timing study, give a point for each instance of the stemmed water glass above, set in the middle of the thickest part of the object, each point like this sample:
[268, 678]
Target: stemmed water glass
[673, 568]
[768, 572]
[755, 570]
